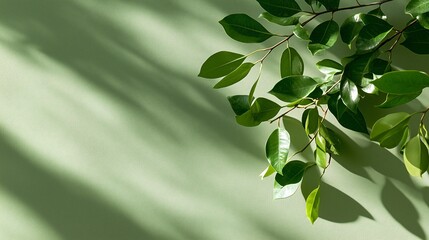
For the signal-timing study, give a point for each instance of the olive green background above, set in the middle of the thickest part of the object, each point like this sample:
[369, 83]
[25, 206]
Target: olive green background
[107, 133]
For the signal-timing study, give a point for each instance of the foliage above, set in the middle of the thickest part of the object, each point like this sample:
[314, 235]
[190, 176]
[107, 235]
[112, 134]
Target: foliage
[366, 70]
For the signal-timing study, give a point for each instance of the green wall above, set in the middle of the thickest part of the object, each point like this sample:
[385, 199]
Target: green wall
[107, 133]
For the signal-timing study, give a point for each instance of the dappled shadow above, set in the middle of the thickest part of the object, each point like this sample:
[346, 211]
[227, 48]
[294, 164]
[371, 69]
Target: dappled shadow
[401, 209]
[425, 193]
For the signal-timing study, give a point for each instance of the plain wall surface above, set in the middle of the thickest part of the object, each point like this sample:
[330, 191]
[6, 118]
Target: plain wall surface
[106, 132]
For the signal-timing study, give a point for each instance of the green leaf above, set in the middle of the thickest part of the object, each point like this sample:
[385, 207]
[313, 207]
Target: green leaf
[239, 104]
[379, 67]
[323, 36]
[264, 109]
[221, 64]
[320, 158]
[330, 4]
[282, 21]
[236, 76]
[372, 33]
[350, 29]
[293, 88]
[332, 140]
[417, 7]
[359, 66]
[424, 20]
[286, 184]
[243, 28]
[347, 118]
[416, 157]
[378, 13]
[267, 172]
[389, 130]
[280, 8]
[277, 149]
[350, 94]
[417, 39]
[312, 205]
[402, 82]
[246, 119]
[329, 67]
[393, 100]
[301, 32]
[291, 63]
[311, 120]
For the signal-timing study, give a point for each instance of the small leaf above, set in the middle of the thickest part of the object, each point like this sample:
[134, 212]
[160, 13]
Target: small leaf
[320, 158]
[417, 39]
[312, 205]
[329, 67]
[301, 32]
[236, 76]
[402, 82]
[264, 109]
[351, 28]
[243, 28]
[416, 157]
[239, 104]
[277, 149]
[221, 64]
[280, 8]
[350, 94]
[286, 184]
[388, 130]
[332, 140]
[417, 7]
[293, 88]
[323, 36]
[267, 172]
[393, 100]
[282, 21]
[291, 63]
[347, 118]
[311, 121]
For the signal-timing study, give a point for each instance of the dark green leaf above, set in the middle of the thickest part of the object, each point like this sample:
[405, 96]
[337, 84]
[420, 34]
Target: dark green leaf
[221, 64]
[417, 7]
[417, 39]
[372, 34]
[287, 183]
[311, 121]
[301, 32]
[388, 130]
[239, 104]
[277, 149]
[243, 28]
[350, 29]
[329, 67]
[416, 157]
[280, 8]
[347, 118]
[332, 140]
[263, 109]
[379, 67]
[323, 36]
[359, 66]
[330, 4]
[402, 82]
[234, 77]
[293, 88]
[291, 63]
[350, 94]
[312, 205]
[378, 13]
[283, 21]
[396, 100]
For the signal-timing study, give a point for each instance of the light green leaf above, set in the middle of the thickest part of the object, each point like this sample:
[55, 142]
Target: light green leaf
[291, 63]
[416, 157]
[286, 184]
[277, 149]
[311, 121]
[246, 119]
[239, 104]
[221, 64]
[329, 67]
[301, 32]
[393, 100]
[264, 109]
[323, 36]
[350, 94]
[236, 76]
[293, 88]
[332, 140]
[280, 8]
[388, 130]
[417, 39]
[424, 20]
[402, 82]
[312, 205]
[243, 28]
[417, 7]
[283, 21]
[350, 29]
[320, 158]
[267, 172]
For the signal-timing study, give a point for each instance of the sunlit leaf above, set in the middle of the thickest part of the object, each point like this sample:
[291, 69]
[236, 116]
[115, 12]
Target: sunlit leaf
[393, 100]
[293, 88]
[267, 172]
[286, 183]
[351, 28]
[283, 21]
[350, 94]
[264, 109]
[301, 32]
[329, 67]
[312, 205]
[243, 28]
[291, 63]
[417, 7]
[221, 64]
[402, 82]
[323, 36]
[236, 76]
[277, 149]
[416, 157]
[388, 130]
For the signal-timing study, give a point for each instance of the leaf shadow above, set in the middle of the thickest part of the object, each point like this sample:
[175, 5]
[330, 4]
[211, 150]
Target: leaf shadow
[401, 209]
